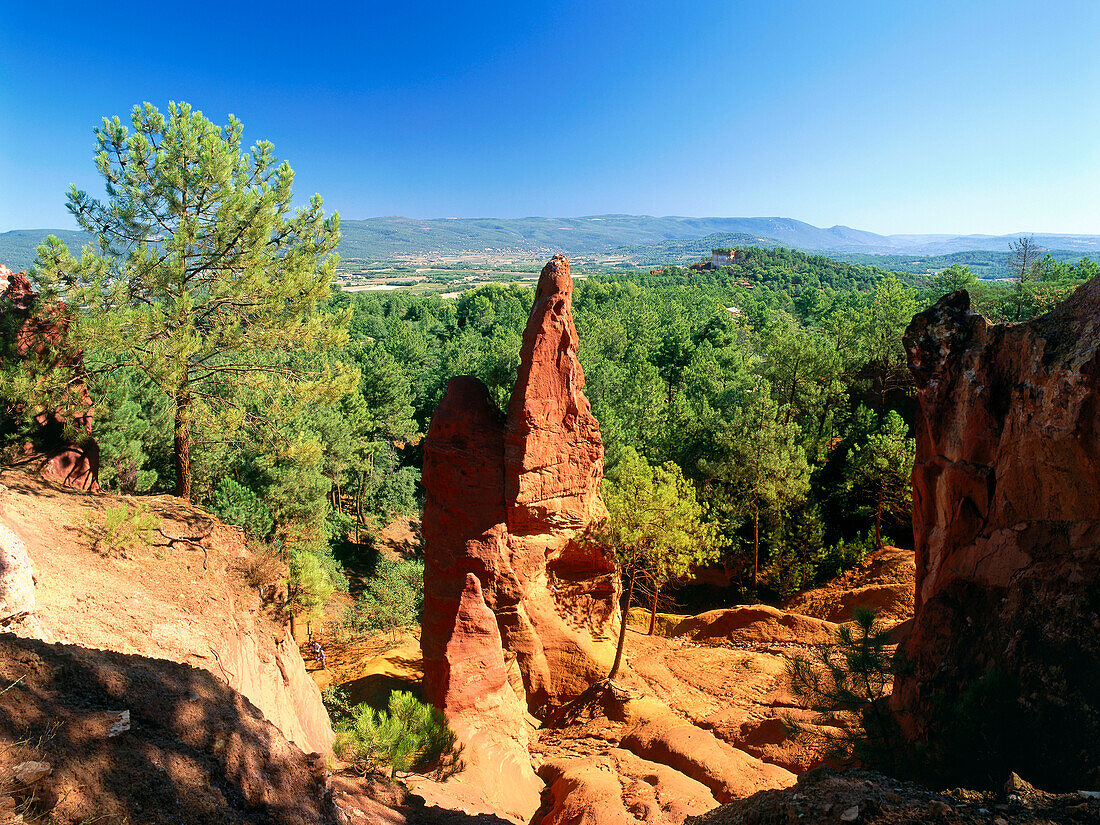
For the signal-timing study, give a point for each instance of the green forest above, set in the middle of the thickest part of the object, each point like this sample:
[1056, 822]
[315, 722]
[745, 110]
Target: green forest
[225, 367]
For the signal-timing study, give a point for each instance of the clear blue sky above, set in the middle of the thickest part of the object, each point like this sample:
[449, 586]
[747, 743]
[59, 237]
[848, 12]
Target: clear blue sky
[887, 116]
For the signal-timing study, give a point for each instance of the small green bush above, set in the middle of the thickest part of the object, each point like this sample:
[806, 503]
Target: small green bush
[336, 702]
[412, 737]
[236, 504]
[847, 685]
[122, 529]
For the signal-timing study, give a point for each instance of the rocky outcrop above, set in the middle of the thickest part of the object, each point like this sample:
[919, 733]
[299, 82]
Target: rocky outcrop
[553, 453]
[37, 335]
[186, 606]
[868, 798]
[882, 582]
[756, 624]
[130, 738]
[17, 582]
[487, 715]
[730, 773]
[1001, 667]
[275, 680]
[620, 787]
[508, 499]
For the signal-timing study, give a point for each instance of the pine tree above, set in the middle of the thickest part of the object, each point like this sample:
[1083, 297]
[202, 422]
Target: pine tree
[759, 463]
[654, 527]
[201, 274]
[879, 471]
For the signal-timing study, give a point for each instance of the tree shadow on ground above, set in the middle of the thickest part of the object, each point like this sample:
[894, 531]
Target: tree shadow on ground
[196, 751]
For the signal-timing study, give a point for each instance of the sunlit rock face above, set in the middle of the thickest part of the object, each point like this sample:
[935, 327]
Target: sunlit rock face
[1002, 667]
[508, 498]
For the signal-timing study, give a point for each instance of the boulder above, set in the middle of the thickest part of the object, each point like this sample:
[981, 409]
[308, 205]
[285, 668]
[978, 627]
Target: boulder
[1003, 658]
[620, 787]
[509, 498]
[17, 588]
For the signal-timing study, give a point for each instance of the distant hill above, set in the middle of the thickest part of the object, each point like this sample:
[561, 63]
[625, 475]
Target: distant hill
[387, 238]
[377, 238]
[984, 264]
[687, 251]
[17, 246]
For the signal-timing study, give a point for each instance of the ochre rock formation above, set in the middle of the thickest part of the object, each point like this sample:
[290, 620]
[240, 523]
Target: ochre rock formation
[508, 498]
[487, 716]
[758, 623]
[553, 453]
[188, 607]
[882, 582]
[1001, 669]
[36, 335]
[619, 788]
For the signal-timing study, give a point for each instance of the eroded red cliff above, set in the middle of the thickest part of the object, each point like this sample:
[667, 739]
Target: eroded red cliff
[1001, 670]
[508, 499]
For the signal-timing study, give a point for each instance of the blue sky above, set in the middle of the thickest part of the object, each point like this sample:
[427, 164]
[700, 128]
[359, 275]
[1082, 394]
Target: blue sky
[886, 116]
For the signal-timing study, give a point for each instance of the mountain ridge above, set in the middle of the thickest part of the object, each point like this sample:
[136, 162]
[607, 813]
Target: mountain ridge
[396, 237]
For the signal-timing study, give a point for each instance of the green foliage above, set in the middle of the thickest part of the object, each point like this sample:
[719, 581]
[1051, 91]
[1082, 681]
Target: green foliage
[879, 472]
[655, 524]
[200, 274]
[296, 491]
[410, 737]
[336, 702]
[37, 373]
[798, 547]
[393, 597]
[122, 529]
[953, 278]
[309, 586]
[388, 487]
[847, 685]
[654, 527]
[236, 504]
[758, 463]
[133, 427]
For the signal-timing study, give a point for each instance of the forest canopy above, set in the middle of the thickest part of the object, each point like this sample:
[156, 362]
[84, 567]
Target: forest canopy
[224, 366]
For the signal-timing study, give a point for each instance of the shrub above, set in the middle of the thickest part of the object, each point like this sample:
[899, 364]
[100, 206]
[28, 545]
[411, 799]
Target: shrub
[122, 529]
[410, 737]
[236, 504]
[336, 702]
[847, 685]
[262, 566]
[833, 560]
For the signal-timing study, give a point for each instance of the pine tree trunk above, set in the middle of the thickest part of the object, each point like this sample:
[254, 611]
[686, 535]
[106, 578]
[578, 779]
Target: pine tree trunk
[183, 444]
[653, 609]
[622, 630]
[755, 547]
[878, 522]
[359, 505]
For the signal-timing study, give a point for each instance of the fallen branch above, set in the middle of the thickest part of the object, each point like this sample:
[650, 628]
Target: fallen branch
[195, 541]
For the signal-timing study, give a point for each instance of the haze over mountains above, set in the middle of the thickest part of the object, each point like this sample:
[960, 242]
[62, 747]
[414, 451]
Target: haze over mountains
[385, 238]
